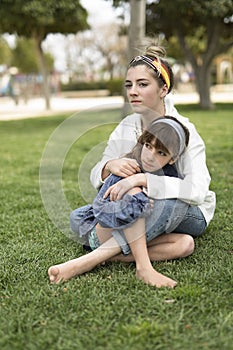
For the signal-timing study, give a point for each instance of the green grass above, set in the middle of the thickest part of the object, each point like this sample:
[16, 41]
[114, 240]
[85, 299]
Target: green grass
[107, 308]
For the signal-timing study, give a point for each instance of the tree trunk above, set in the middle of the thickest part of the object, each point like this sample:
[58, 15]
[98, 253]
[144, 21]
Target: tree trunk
[136, 35]
[202, 79]
[202, 64]
[43, 71]
[136, 27]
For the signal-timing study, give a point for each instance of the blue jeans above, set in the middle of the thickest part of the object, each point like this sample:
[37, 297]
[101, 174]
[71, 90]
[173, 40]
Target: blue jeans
[169, 215]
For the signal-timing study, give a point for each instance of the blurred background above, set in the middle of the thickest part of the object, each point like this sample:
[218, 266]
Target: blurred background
[81, 48]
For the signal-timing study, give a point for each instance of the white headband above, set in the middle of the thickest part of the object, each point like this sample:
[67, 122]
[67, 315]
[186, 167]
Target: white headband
[179, 130]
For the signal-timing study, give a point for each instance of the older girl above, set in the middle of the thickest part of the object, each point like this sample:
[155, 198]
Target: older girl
[183, 207]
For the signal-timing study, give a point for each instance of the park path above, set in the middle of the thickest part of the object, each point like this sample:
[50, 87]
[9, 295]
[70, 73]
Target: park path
[60, 104]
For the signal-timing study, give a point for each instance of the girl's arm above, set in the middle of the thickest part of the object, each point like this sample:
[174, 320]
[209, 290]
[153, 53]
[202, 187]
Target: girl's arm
[122, 167]
[121, 141]
[117, 190]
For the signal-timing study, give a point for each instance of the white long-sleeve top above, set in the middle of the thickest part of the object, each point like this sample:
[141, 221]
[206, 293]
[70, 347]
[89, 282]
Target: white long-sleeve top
[193, 188]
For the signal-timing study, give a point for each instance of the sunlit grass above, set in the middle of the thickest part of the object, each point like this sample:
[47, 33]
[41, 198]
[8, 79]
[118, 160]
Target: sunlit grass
[108, 308]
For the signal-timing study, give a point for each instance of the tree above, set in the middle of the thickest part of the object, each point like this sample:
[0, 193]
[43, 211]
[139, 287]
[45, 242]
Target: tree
[94, 54]
[5, 52]
[137, 26]
[136, 31]
[37, 18]
[204, 30]
[136, 34]
[24, 59]
[112, 49]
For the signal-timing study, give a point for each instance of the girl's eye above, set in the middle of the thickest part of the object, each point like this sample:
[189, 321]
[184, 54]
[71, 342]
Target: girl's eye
[143, 84]
[140, 84]
[148, 145]
[128, 86]
[162, 154]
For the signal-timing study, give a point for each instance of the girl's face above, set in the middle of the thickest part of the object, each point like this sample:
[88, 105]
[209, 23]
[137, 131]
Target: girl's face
[143, 91]
[153, 159]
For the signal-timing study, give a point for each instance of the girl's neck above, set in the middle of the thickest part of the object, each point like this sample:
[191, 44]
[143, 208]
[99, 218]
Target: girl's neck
[150, 115]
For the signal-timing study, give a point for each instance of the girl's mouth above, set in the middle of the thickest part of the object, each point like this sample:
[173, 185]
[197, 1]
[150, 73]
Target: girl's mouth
[146, 165]
[135, 102]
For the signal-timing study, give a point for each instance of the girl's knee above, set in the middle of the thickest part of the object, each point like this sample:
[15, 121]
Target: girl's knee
[76, 217]
[73, 221]
[187, 245]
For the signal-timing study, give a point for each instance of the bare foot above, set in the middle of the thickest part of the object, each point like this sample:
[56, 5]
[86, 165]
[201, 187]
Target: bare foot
[53, 273]
[61, 273]
[78, 266]
[154, 278]
[69, 269]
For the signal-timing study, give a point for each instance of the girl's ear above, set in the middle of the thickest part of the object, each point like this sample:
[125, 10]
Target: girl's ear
[172, 160]
[164, 91]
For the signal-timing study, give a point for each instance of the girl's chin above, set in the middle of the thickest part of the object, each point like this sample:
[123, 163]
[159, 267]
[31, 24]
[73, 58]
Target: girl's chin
[142, 110]
[137, 108]
[149, 170]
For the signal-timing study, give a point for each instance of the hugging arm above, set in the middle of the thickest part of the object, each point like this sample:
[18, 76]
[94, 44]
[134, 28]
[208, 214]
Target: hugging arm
[121, 141]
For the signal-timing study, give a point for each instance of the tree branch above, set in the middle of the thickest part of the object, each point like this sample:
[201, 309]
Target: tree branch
[187, 52]
[213, 34]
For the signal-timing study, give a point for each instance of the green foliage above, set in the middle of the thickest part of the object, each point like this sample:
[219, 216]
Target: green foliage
[108, 308]
[114, 86]
[203, 30]
[196, 43]
[194, 18]
[23, 57]
[84, 85]
[38, 18]
[5, 52]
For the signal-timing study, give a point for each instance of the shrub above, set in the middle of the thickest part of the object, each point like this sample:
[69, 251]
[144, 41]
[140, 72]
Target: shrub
[114, 86]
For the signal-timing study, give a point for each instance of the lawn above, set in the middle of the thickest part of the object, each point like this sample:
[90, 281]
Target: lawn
[106, 308]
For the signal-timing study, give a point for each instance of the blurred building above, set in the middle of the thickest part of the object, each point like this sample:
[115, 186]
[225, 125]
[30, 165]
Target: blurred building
[224, 69]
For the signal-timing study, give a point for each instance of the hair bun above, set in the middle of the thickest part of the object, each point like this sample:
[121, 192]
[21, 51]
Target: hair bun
[155, 51]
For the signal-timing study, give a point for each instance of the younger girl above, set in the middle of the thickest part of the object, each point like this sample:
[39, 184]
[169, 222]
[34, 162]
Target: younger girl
[156, 152]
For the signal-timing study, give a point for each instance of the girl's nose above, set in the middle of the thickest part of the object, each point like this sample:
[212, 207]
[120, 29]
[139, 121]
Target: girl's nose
[133, 90]
[153, 152]
[151, 155]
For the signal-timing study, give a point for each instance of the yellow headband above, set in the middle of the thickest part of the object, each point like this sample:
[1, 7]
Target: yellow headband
[157, 66]
[162, 70]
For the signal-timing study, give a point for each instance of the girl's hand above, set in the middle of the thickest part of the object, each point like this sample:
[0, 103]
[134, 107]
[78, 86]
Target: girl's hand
[118, 190]
[122, 167]
[123, 186]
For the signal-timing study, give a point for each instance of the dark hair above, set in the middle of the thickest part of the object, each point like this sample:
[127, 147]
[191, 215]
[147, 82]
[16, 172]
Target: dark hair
[164, 138]
[158, 53]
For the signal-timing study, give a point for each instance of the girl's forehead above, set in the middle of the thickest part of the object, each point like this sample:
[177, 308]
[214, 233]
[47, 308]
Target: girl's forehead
[153, 142]
[138, 72]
